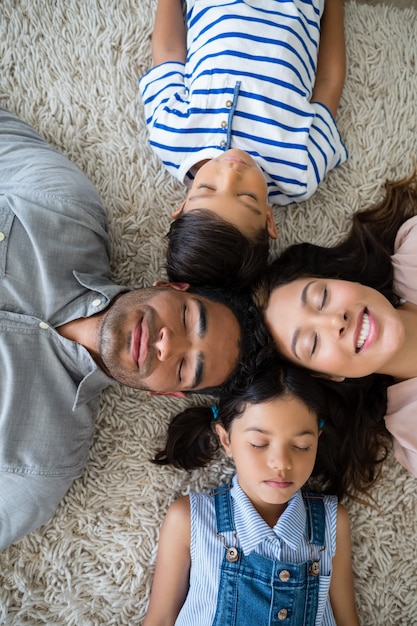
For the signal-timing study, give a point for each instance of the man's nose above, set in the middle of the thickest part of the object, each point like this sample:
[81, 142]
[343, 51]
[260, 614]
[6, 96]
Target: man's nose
[168, 344]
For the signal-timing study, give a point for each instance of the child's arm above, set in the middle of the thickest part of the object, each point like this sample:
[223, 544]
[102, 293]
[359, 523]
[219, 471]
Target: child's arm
[168, 37]
[170, 583]
[331, 62]
[342, 595]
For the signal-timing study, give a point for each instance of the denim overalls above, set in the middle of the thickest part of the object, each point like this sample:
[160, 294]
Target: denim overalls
[255, 590]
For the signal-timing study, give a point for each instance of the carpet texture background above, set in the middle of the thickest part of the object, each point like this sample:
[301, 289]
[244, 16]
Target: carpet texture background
[70, 68]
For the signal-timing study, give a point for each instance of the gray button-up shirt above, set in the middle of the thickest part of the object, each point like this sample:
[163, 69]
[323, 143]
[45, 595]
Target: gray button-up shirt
[54, 267]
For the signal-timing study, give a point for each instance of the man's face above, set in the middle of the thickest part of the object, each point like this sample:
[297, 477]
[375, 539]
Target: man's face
[165, 339]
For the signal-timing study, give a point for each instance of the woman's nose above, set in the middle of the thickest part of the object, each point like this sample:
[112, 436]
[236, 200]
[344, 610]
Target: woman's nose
[335, 322]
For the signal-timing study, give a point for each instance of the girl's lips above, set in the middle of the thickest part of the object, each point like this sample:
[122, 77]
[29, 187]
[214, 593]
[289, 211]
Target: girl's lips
[278, 484]
[140, 343]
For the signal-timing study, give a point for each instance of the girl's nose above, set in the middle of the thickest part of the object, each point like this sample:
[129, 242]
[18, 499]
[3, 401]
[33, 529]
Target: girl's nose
[279, 460]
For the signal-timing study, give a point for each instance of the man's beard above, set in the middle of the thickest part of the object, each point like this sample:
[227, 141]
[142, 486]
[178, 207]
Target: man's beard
[112, 342]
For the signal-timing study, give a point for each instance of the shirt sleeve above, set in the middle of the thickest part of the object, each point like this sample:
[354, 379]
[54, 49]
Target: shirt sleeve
[163, 92]
[404, 261]
[326, 149]
[29, 166]
[26, 502]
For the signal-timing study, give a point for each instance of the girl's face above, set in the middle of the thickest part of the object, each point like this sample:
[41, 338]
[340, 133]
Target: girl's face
[336, 327]
[234, 187]
[273, 445]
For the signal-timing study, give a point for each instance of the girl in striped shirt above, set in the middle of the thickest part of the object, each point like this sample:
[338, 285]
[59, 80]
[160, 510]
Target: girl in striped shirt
[261, 550]
[240, 107]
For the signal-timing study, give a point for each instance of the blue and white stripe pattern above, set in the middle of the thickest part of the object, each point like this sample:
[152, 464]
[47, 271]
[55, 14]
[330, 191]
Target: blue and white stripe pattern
[247, 84]
[285, 542]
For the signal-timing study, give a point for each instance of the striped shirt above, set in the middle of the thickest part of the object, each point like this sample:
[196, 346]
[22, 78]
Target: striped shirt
[285, 542]
[247, 83]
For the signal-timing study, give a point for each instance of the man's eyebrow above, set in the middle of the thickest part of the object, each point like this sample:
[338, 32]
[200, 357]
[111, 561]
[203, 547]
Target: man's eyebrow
[199, 370]
[297, 331]
[201, 331]
[202, 318]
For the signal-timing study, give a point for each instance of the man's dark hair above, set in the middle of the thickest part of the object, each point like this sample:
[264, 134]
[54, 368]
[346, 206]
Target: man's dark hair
[204, 249]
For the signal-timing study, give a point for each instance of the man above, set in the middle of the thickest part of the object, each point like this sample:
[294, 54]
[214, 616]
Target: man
[67, 331]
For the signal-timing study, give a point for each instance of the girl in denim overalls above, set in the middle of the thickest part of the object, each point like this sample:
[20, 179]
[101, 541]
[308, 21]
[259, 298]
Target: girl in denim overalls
[259, 551]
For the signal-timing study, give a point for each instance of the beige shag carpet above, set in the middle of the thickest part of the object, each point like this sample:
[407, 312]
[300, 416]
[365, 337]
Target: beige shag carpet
[70, 68]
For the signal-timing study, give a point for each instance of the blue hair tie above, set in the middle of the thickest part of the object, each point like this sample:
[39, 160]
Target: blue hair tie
[215, 411]
[321, 424]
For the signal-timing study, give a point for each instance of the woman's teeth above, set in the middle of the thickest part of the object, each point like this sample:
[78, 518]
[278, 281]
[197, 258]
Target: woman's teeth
[364, 332]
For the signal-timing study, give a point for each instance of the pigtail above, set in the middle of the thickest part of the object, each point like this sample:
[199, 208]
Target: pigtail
[191, 440]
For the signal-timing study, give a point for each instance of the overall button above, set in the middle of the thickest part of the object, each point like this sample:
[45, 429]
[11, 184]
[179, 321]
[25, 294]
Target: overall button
[229, 103]
[96, 302]
[43, 325]
[2, 236]
[223, 124]
[282, 614]
[284, 576]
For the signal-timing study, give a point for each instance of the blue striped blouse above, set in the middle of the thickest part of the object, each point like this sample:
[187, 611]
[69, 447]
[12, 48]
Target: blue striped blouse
[247, 83]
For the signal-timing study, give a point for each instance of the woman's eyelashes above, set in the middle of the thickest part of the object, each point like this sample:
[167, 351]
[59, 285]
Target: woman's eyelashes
[324, 298]
[314, 344]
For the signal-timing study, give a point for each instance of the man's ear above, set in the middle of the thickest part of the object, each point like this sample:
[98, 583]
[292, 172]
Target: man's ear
[223, 435]
[166, 283]
[270, 223]
[172, 394]
[178, 210]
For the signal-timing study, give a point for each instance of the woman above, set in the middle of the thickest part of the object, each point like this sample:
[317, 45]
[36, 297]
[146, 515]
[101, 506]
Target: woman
[350, 312]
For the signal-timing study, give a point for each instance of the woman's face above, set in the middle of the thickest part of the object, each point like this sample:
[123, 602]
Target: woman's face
[335, 327]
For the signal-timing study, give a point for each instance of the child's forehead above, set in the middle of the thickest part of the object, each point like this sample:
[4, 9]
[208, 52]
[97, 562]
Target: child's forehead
[283, 415]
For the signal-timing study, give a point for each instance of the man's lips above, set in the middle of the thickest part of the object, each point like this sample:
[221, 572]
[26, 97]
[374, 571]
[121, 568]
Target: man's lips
[140, 343]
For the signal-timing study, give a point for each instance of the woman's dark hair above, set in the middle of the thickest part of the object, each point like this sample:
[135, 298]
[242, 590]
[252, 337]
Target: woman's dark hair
[363, 256]
[204, 249]
[345, 462]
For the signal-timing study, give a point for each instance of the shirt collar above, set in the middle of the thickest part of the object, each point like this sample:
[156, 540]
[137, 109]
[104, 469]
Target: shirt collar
[252, 530]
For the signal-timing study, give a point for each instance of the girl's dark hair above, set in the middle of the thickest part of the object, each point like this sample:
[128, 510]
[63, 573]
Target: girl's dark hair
[343, 464]
[204, 249]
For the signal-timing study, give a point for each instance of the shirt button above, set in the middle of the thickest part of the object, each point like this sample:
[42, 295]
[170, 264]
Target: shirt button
[43, 325]
[223, 124]
[222, 143]
[282, 614]
[284, 576]
[2, 236]
[229, 103]
[96, 302]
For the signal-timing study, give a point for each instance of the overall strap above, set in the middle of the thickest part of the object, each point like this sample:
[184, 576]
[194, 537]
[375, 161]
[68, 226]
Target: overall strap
[315, 524]
[223, 504]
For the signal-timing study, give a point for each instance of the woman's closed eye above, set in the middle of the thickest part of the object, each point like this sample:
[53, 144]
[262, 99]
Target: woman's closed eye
[324, 299]
[314, 344]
